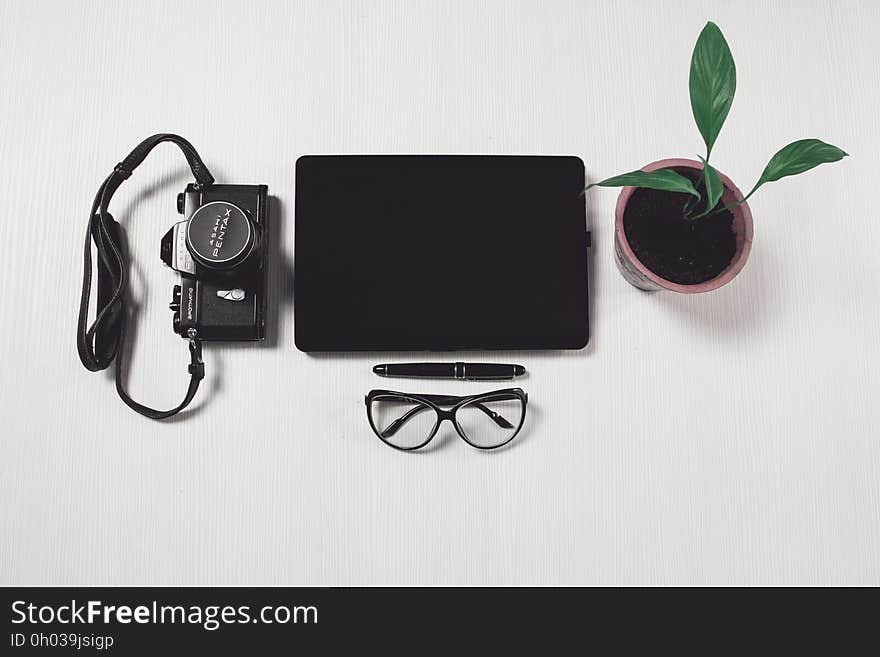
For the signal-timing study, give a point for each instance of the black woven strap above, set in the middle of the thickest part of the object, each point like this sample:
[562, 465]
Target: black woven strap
[102, 342]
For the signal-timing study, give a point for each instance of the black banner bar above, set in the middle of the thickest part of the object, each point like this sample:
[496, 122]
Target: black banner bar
[150, 621]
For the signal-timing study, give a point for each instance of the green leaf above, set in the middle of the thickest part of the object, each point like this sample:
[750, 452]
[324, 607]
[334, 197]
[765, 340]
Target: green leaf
[714, 187]
[712, 83]
[666, 180]
[797, 157]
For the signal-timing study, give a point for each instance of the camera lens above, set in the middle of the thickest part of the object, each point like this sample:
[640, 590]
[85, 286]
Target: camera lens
[219, 235]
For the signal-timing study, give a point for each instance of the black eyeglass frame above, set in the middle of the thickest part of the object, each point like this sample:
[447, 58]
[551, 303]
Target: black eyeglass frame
[456, 402]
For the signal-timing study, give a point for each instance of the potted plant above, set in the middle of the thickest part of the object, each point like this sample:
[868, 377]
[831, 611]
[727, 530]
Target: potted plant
[682, 225]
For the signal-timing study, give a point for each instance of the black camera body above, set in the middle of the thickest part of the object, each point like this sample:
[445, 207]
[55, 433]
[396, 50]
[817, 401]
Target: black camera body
[220, 251]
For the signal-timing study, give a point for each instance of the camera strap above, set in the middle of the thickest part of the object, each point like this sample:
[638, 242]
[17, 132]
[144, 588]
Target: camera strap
[103, 342]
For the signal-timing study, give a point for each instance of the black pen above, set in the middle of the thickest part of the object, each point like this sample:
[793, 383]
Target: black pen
[468, 371]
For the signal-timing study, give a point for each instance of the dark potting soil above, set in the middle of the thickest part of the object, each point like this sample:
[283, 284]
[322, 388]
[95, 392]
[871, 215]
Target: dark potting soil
[684, 251]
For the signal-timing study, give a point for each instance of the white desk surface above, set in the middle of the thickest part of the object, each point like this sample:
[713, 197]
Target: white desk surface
[727, 438]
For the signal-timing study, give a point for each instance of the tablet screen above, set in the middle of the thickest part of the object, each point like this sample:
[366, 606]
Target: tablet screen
[427, 252]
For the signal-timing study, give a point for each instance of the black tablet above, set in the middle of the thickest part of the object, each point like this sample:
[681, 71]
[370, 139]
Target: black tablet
[449, 252]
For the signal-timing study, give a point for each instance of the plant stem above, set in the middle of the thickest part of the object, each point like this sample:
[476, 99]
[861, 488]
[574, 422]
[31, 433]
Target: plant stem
[730, 208]
[690, 201]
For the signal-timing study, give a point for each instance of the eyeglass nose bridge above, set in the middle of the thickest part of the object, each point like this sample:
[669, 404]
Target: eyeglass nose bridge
[445, 415]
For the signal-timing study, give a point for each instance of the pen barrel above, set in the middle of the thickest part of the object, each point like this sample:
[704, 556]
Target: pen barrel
[484, 371]
[421, 370]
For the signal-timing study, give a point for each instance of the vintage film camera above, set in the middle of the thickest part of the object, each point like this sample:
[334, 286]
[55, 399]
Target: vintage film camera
[220, 252]
[219, 249]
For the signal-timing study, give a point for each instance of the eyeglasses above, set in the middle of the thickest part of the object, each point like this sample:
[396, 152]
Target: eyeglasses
[407, 422]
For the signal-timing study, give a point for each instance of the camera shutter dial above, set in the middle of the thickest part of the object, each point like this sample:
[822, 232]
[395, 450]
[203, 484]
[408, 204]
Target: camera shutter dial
[219, 235]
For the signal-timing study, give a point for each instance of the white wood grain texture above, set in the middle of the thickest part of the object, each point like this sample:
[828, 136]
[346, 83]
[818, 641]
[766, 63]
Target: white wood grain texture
[727, 438]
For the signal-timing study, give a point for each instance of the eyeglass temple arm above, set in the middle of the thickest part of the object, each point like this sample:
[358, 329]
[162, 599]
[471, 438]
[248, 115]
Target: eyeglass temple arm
[444, 400]
[392, 428]
[448, 400]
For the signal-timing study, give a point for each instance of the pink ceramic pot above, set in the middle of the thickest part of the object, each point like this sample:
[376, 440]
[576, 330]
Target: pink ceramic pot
[639, 275]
